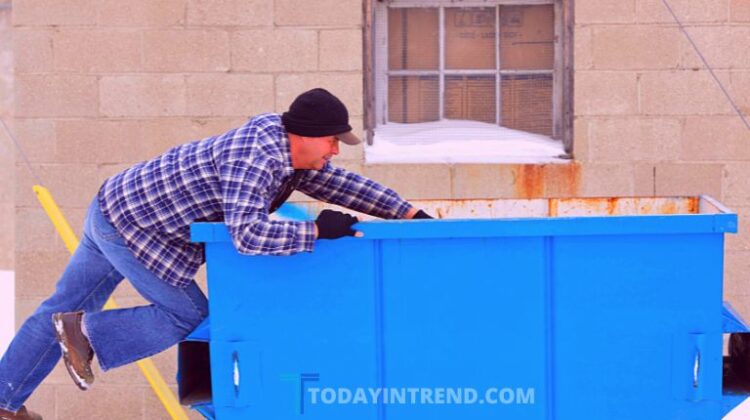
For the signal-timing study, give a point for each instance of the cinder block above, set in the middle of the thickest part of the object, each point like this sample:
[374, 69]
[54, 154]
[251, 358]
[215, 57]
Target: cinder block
[606, 180]
[6, 90]
[741, 240]
[688, 11]
[724, 47]
[126, 375]
[352, 166]
[581, 128]
[22, 171]
[100, 141]
[186, 50]
[583, 53]
[7, 232]
[100, 402]
[160, 13]
[741, 303]
[644, 183]
[346, 86]
[330, 13]
[97, 50]
[483, 181]
[634, 139]
[736, 287]
[352, 154]
[605, 11]
[229, 94]
[230, 13]
[161, 134]
[736, 184]
[739, 88]
[39, 235]
[37, 139]
[32, 50]
[43, 401]
[60, 12]
[715, 138]
[739, 10]
[622, 47]
[107, 170]
[689, 179]
[341, 50]
[24, 308]
[605, 93]
[37, 270]
[559, 180]
[413, 181]
[56, 96]
[272, 50]
[72, 185]
[143, 95]
[681, 93]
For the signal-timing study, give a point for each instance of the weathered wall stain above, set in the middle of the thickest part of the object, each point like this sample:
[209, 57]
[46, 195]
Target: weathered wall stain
[553, 180]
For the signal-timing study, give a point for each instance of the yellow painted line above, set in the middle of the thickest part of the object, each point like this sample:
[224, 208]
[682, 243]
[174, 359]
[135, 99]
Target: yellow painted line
[165, 395]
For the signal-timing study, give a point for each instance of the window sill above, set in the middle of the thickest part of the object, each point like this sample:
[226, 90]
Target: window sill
[457, 141]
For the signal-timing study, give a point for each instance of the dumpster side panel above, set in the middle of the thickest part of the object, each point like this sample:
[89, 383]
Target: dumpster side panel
[285, 325]
[466, 313]
[627, 339]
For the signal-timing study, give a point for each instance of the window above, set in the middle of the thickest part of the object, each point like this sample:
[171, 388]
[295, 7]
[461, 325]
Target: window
[447, 64]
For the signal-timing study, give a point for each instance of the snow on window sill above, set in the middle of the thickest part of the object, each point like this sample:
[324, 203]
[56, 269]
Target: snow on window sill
[460, 141]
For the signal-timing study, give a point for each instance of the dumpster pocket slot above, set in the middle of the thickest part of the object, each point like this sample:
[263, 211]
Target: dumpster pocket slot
[236, 373]
[688, 373]
[194, 372]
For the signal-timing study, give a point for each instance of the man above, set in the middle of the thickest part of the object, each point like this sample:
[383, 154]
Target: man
[138, 227]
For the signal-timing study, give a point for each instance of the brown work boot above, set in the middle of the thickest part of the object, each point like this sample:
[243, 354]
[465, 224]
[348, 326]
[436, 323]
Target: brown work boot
[76, 348]
[22, 414]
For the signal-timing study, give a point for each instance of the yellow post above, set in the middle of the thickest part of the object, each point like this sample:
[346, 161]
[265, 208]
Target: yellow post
[147, 367]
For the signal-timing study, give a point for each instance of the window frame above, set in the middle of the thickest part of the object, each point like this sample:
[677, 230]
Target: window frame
[376, 60]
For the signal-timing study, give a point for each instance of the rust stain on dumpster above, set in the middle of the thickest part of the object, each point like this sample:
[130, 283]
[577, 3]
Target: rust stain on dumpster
[553, 207]
[669, 207]
[693, 205]
[612, 205]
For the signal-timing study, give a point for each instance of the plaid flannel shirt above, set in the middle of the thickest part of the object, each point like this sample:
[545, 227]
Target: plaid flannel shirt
[233, 177]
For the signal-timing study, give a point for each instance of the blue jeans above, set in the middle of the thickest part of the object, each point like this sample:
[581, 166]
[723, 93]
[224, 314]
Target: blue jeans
[119, 336]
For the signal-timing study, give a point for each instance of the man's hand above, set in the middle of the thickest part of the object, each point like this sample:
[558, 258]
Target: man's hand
[332, 224]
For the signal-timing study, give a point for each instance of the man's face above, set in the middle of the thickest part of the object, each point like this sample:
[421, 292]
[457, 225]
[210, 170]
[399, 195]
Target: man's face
[313, 152]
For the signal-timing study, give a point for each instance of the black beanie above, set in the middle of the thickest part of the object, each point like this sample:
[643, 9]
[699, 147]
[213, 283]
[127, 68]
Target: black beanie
[318, 113]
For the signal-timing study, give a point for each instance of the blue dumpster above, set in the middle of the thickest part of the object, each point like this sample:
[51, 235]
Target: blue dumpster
[524, 309]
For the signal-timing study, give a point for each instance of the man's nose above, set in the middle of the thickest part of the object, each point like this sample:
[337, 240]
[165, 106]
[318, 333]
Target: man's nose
[335, 148]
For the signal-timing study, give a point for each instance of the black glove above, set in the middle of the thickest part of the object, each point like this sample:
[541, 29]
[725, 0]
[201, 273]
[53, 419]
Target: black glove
[422, 215]
[334, 224]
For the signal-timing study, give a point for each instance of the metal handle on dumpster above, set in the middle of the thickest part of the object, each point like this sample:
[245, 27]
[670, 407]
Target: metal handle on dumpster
[688, 373]
[696, 367]
[236, 373]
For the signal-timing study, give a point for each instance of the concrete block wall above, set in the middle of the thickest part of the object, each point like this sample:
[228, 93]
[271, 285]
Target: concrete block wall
[103, 84]
[7, 154]
[647, 109]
